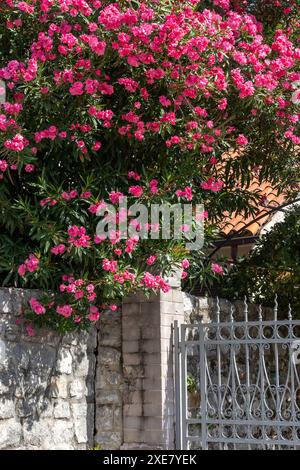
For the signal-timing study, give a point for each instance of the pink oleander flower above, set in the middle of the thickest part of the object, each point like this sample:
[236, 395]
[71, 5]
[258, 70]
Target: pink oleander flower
[217, 269]
[185, 264]
[242, 140]
[22, 270]
[136, 191]
[151, 260]
[77, 89]
[36, 306]
[17, 143]
[116, 197]
[113, 308]
[134, 176]
[30, 330]
[29, 168]
[64, 310]
[212, 185]
[153, 185]
[31, 264]
[187, 193]
[94, 314]
[110, 266]
[3, 165]
[59, 249]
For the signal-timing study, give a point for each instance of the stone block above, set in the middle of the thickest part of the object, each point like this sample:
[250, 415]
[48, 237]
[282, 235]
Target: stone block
[59, 387]
[6, 304]
[108, 397]
[62, 432]
[78, 389]
[7, 409]
[81, 432]
[108, 440]
[10, 433]
[110, 357]
[104, 418]
[61, 410]
[64, 362]
[79, 410]
[107, 379]
[133, 409]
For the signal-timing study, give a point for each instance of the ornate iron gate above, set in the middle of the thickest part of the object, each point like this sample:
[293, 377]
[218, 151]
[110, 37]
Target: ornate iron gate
[238, 384]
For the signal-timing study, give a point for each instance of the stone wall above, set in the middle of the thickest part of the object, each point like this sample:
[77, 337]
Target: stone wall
[58, 392]
[46, 384]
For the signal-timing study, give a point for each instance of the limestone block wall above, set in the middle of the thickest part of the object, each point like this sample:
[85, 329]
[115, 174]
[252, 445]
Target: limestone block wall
[46, 384]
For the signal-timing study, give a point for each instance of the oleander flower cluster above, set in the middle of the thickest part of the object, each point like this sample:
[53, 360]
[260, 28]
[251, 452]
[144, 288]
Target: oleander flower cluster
[158, 101]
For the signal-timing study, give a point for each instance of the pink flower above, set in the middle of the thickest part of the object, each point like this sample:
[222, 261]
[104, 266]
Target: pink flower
[17, 144]
[59, 249]
[86, 195]
[31, 264]
[37, 307]
[29, 168]
[94, 314]
[64, 310]
[187, 193]
[185, 264]
[153, 186]
[212, 185]
[113, 308]
[77, 89]
[242, 140]
[151, 260]
[136, 191]
[110, 266]
[164, 101]
[116, 197]
[22, 270]
[30, 330]
[217, 269]
[3, 165]
[134, 176]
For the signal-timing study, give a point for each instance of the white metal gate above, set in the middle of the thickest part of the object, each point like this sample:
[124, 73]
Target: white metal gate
[238, 384]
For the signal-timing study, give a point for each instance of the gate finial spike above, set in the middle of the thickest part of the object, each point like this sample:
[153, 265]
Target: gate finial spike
[276, 308]
[290, 314]
[246, 308]
[231, 313]
[260, 316]
[218, 310]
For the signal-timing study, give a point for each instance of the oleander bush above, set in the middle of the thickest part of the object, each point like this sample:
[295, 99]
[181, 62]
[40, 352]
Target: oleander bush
[158, 101]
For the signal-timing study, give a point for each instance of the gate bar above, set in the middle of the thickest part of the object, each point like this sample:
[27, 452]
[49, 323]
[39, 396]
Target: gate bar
[178, 401]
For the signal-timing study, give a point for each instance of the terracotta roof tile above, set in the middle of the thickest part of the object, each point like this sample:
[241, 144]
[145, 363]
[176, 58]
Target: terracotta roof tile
[236, 223]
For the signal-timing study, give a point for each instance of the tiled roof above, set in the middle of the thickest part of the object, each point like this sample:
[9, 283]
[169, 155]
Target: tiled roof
[269, 197]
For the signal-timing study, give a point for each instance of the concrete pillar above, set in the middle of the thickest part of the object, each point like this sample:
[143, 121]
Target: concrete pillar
[147, 349]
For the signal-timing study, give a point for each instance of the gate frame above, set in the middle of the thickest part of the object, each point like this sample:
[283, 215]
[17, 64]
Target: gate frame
[180, 370]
